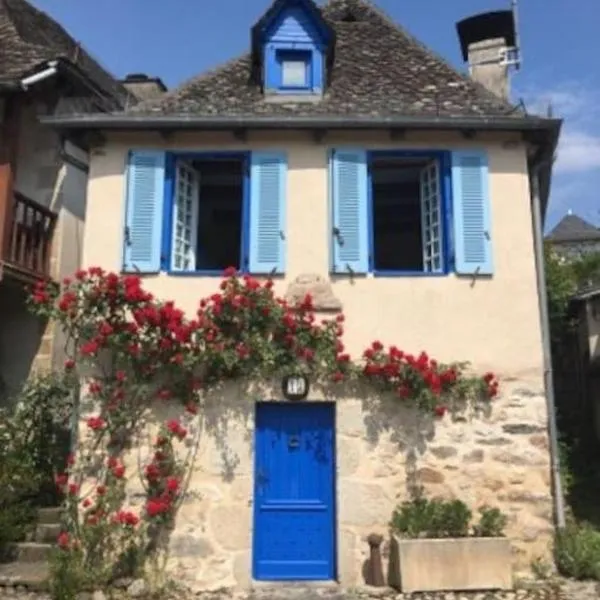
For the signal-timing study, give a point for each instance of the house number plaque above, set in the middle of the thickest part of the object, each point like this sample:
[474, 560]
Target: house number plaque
[295, 387]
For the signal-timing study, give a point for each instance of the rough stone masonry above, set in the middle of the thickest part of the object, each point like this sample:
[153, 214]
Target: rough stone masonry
[500, 459]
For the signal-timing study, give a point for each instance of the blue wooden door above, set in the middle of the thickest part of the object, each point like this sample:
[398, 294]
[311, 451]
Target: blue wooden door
[294, 519]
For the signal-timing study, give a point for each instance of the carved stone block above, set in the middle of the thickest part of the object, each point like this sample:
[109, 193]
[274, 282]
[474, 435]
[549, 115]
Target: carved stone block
[319, 289]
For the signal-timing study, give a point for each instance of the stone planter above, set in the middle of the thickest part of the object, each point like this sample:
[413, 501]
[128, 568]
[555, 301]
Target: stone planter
[431, 565]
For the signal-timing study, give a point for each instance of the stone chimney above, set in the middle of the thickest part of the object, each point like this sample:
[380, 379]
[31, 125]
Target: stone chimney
[144, 87]
[487, 66]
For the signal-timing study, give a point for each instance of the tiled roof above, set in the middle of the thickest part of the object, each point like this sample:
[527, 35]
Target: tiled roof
[572, 228]
[29, 37]
[378, 70]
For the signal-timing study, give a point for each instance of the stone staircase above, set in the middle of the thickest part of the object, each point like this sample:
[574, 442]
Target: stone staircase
[29, 565]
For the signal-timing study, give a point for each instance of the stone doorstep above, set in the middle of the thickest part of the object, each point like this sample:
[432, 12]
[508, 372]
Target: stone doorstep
[32, 552]
[49, 516]
[46, 533]
[32, 575]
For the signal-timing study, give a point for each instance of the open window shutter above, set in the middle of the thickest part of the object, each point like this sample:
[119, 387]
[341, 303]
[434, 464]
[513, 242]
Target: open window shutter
[144, 212]
[472, 218]
[431, 218]
[267, 212]
[350, 244]
[185, 217]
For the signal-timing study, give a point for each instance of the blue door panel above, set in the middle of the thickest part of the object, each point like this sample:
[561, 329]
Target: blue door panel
[294, 522]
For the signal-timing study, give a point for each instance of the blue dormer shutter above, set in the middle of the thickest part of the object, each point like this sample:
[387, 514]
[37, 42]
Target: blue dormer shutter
[472, 213]
[144, 211]
[349, 193]
[268, 182]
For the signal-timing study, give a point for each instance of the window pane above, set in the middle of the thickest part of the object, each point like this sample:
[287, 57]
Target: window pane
[294, 73]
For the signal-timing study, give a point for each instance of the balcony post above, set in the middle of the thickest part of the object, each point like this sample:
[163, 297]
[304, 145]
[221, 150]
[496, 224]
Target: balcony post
[9, 132]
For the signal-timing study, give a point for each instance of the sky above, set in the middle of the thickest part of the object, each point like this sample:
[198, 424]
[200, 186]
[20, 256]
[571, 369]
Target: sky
[560, 45]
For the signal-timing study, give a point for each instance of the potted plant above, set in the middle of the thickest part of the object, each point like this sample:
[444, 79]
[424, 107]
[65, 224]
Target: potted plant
[435, 547]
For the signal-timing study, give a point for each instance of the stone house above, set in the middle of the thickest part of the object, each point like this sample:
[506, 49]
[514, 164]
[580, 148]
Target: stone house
[43, 176]
[573, 237]
[341, 156]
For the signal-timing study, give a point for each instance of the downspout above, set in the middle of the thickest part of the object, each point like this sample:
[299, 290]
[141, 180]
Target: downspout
[559, 502]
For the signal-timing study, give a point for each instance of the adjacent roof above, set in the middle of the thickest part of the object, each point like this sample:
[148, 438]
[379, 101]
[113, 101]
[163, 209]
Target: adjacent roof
[379, 70]
[572, 228]
[29, 38]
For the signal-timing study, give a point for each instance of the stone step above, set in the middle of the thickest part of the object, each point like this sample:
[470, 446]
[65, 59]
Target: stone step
[31, 552]
[46, 533]
[49, 516]
[33, 575]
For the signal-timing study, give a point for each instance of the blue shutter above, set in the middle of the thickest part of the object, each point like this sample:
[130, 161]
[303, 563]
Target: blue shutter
[350, 243]
[267, 212]
[144, 212]
[472, 218]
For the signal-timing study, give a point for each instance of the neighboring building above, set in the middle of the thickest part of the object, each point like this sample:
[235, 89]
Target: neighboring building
[341, 150]
[585, 367]
[43, 178]
[573, 237]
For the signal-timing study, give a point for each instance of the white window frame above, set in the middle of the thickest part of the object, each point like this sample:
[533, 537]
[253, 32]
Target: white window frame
[185, 216]
[432, 226]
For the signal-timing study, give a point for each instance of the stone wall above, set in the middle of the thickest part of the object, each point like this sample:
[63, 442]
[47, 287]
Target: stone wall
[500, 458]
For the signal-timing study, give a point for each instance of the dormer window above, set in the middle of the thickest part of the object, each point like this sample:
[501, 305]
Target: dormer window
[292, 44]
[296, 68]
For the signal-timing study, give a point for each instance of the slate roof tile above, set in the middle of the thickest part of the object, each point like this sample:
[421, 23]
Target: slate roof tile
[29, 37]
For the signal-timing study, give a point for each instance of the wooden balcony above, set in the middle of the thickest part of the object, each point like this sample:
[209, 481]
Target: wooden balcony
[28, 243]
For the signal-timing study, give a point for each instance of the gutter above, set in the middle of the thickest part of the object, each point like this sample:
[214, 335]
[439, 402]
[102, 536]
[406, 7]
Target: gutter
[538, 239]
[150, 121]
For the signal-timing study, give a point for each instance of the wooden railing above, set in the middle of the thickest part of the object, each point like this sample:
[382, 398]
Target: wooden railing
[30, 230]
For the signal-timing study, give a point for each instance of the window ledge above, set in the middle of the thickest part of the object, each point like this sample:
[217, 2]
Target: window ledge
[275, 97]
[408, 274]
[218, 273]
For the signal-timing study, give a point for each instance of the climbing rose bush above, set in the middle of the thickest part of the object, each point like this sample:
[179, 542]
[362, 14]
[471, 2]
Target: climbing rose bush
[140, 350]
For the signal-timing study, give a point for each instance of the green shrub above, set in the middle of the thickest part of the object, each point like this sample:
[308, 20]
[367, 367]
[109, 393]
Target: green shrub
[491, 523]
[18, 482]
[43, 414]
[435, 518]
[577, 551]
[34, 443]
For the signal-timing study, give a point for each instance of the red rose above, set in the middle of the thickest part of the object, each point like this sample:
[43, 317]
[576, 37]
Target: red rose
[73, 489]
[440, 410]
[96, 423]
[61, 480]
[101, 490]
[89, 348]
[118, 471]
[191, 408]
[338, 376]
[230, 272]
[172, 484]
[63, 540]
[86, 503]
[69, 363]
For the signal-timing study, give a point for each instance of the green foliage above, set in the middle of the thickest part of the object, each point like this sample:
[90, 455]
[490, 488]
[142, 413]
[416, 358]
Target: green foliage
[438, 518]
[33, 447]
[67, 575]
[435, 518]
[43, 417]
[492, 523]
[18, 481]
[577, 551]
